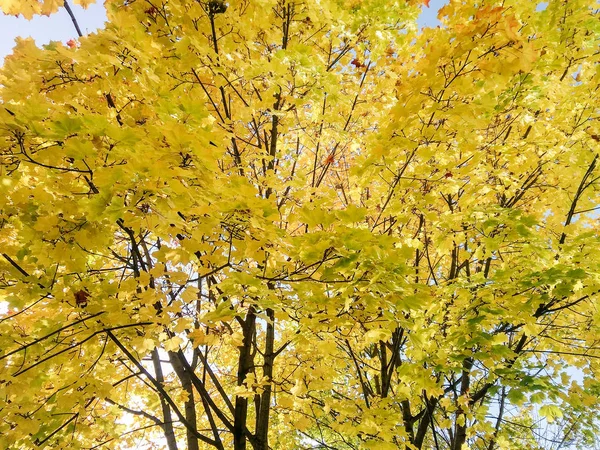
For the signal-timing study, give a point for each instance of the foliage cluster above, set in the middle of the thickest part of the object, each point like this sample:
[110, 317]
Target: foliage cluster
[302, 224]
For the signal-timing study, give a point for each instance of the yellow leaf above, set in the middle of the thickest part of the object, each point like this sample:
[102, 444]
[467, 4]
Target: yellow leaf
[173, 343]
[51, 6]
[84, 3]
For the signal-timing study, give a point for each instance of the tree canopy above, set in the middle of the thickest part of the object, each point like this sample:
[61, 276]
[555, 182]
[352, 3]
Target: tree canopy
[285, 224]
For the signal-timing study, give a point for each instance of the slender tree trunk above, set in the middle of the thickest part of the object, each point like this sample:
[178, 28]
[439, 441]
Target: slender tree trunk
[460, 431]
[166, 411]
[499, 419]
[408, 420]
[190, 405]
[425, 419]
[244, 367]
[262, 422]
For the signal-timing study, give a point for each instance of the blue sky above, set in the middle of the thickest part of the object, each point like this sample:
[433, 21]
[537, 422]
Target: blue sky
[59, 27]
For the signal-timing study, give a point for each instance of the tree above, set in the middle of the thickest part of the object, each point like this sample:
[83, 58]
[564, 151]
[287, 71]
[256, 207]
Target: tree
[283, 224]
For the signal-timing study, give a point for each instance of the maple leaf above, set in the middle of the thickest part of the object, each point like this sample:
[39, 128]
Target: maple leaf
[357, 63]
[28, 8]
[84, 3]
[50, 6]
[81, 298]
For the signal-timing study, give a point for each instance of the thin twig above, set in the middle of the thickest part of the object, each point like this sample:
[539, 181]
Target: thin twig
[73, 19]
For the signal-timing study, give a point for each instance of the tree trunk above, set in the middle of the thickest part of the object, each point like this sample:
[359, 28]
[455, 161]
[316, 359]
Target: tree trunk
[244, 367]
[262, 421]
[166, 411]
